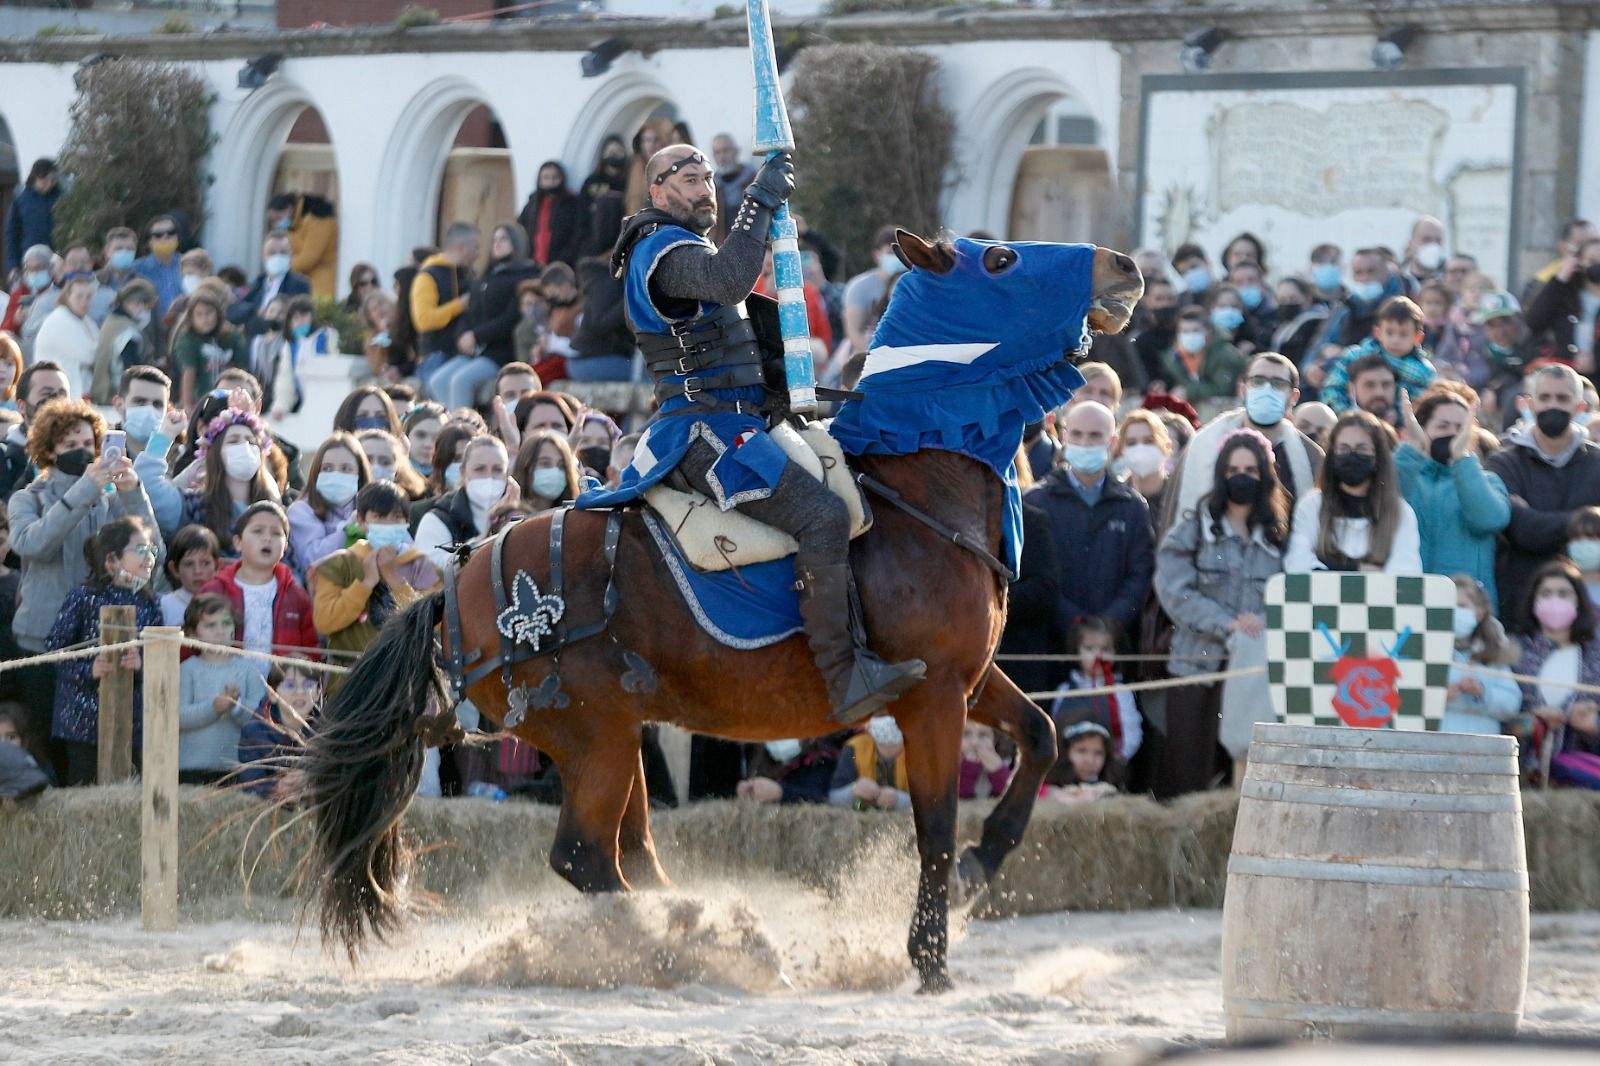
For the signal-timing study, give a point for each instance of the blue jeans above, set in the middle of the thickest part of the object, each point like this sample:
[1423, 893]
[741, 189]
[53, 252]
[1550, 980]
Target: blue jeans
[456, 383]
[600, 367]
[428, 366]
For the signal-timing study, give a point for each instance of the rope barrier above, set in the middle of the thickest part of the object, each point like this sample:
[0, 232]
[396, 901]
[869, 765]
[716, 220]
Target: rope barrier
[1021, 657]
[295, 661]
[69, 653]
[1146, 686]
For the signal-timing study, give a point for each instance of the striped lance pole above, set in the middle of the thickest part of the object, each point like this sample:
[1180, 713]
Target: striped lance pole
[771, 137]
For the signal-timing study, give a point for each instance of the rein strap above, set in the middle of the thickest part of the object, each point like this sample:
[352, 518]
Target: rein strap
[955, 536]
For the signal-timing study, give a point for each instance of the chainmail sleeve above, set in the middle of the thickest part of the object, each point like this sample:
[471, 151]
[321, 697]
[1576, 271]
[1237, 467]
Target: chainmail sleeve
[697, 273]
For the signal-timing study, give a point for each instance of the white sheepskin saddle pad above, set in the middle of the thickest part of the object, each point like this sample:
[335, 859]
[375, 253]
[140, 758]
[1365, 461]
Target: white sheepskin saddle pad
[713, 539]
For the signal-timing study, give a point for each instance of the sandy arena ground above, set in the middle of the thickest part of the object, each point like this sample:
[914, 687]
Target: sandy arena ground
[707, 974]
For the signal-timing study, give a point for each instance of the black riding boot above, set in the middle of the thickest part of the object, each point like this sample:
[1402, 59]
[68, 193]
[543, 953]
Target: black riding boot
[859, 683]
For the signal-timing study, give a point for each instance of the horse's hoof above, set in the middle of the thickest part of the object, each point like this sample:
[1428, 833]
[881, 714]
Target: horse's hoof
[936, 984]
[968, 879]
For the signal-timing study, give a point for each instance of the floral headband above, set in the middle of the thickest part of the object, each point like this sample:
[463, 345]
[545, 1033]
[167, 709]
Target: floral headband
[231, 416]
[1246, 433]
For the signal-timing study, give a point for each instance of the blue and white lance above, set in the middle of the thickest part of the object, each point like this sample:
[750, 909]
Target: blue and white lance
[772, 135]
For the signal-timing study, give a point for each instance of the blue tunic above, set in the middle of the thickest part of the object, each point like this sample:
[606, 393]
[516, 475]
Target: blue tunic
[749, 462]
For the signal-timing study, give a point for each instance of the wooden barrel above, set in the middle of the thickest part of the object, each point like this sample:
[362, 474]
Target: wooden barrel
[1378, 883]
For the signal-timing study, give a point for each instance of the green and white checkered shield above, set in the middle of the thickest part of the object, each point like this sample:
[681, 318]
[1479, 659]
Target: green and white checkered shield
[1369, 650]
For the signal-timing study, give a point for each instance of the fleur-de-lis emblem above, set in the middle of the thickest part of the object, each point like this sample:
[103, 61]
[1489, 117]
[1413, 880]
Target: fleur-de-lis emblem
[532, 615]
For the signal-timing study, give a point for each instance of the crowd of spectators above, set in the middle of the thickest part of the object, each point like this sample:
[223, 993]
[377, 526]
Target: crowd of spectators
[1370, 410]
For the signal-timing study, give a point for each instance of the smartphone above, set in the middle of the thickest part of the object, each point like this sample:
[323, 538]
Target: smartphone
[115, 446]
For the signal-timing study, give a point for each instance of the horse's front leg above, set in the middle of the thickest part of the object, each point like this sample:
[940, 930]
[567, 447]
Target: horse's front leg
[636, 846]
[597, 771]
[1002, 705]
[931, 721]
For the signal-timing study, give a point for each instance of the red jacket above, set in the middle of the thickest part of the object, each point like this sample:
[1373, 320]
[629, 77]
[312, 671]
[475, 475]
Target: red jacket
[291, 607]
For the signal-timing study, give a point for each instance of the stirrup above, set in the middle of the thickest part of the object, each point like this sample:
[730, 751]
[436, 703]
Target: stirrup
[874, 684]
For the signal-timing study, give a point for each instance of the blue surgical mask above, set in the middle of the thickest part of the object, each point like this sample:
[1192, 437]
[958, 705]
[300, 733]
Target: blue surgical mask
[452, 475]
[1466, 622]
[549, 483]
[38, 280]
[371, 422]
[1366, 291]
[1197, 279]
[381, 472]
[1227, 318]
[121, 260]
[338, 489]
[1087, 458]
[783, 750]
[1265, 405]
[140, 422]
[1326, 276]
[277, 265]
[388, 535]
[1252, 296]
[422, 468]
[891, 265]
[1192, 340]
[302, 330]
[1585, 554]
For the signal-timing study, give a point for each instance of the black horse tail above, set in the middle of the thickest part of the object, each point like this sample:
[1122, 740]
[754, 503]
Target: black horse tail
[358, 774]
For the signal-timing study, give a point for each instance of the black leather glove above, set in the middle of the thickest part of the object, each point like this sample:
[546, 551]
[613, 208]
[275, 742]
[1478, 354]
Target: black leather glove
[773, 183]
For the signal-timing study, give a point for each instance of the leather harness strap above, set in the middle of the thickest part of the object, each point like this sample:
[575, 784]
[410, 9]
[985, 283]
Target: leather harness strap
[955, 536]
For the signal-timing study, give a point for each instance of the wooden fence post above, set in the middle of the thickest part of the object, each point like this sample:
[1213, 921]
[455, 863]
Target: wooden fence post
[158, 887]
[115, 764]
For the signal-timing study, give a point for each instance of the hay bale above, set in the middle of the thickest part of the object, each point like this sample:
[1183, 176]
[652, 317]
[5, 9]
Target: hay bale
[1563, 862]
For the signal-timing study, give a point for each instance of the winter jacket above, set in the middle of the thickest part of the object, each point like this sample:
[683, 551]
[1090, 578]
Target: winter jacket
[266, 748]
[75, 715]
[1104, 553]
[567, 221]
[495, 312]
[1536, 649]
[1031, 624]
[312, 538]
[860, 759]
[1352, 321]
[1413, 372]
[1557, 310]
[123, 343]
[1350, 536]
[314, 244]
[603, 329]
[50, 521]
[292, 623]
[437, 310]
[30, 221]
[1460, 509]
[21, 297]
[1551, 490]
[1204, 581]
[246, 310]
[71, 341]
[1501, 700]
[450, 520]
[342, 606]
[1218, 376]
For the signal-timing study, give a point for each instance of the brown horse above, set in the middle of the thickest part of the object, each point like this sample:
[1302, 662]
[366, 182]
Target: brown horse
[923, 596]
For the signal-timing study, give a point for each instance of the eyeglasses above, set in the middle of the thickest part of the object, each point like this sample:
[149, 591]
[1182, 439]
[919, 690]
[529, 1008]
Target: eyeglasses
[367, 282]
[163, 233]
[147, 551]
[1255, 381]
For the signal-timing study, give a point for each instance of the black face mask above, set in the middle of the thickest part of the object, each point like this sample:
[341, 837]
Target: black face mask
[1352, 468]
[1439, 449]
[1290, 312]
[1164, 318]
[1592, 272]
[73, 463]
[1553, 422]
[1243, 488]
[596, 458]
[274, 325]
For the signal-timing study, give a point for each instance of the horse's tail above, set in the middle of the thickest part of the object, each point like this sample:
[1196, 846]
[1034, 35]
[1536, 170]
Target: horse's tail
[358, 774]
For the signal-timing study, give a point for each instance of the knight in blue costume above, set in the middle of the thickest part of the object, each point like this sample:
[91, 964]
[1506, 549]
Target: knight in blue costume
[686, 303]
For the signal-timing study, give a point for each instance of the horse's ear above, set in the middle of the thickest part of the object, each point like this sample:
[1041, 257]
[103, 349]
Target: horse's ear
[913, 251]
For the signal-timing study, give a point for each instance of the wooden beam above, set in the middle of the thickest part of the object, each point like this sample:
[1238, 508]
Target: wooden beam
[117, 624]
[158, 888]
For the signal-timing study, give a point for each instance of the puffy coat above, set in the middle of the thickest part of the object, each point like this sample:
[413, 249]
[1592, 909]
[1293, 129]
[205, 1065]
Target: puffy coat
[1104, 552]
[1460, 509]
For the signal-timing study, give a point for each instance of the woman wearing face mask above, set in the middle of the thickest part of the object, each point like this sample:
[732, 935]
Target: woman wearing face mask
[1211, 578]
[463, 514]
[388, 461]
[1561, 649]
[54, 516]
[1298, 321]
[162, 267]
[610, 174]
[420, 428]
[1144, 448]
[545, 471]
[232, 454]
[129, 337]
[69, 336]
[1230, 320]
[1460, 507]
[592, 439]
[317, 520]
[1355, 519]
[204, 344]
[367, 407]
[1479, 702]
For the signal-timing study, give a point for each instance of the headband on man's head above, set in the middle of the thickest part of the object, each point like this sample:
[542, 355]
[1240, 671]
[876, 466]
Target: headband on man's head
[693, 157]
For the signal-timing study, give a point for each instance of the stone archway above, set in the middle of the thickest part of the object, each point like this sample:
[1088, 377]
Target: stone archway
[619, 105]
[247, 157]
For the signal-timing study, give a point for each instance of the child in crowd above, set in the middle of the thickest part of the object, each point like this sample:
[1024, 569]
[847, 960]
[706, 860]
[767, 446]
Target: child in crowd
[317, 519]
[277, 732]
[356, 590]
[121, 556]
[218, 694]
[1087, 769]
[791, 771]
[1479, 703]
[871, 771]
[1583, 548]
[1562, 648]
[192, 561]
[1094, 642]
[1397, 334]
[23, 771]
[270, 608]
[981, 763]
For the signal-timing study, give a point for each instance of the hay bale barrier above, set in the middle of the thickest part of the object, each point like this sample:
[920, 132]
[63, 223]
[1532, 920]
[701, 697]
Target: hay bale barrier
[74, 854]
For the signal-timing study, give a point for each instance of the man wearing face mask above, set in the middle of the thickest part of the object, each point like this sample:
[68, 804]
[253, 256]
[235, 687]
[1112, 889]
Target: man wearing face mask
[1269, 389]
[160, 268]
[275, 279]
[40, 383]
[1201, 364]
[36, 282]
[1551, 469]
[679, 288]
[313, 233]
[866, 290]
[1371, 283]
[120, 251]
[1100, 525]
[75, 259]
[1193, 272]
[1425, 253]
[1567, 309]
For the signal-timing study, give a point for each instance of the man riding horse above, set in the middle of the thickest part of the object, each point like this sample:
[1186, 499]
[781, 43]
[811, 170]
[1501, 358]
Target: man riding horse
[686, 302]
